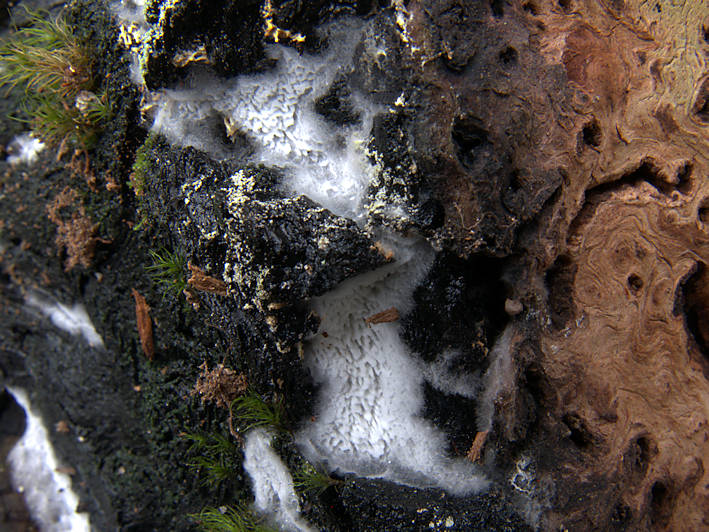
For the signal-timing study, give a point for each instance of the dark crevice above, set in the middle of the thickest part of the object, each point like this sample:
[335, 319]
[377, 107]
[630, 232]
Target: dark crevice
[636, 458]
[693, 302]
[497, 8]
[515, 180]
[560, 282]
[703, 212]
[468, 135]
[336, 106]
[591, 134]
[531, 8]
[660, 504]
[635, 284]
[579, 432]
[508, 55]
[565, 4]
[647, 171]
[684, 177]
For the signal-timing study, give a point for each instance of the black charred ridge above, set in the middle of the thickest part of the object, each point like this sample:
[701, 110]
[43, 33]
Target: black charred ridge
[230, 32]
[385, 506]
[459, 306]
[336, 105]
[488, 147]
[454, 414]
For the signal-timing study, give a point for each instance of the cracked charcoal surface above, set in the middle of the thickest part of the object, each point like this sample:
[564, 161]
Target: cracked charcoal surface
[274, 252]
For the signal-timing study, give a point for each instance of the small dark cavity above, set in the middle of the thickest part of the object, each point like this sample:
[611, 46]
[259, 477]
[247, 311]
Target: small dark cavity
[642, 57]
[635, 284]
[515, 180]
[704, 212]
[684, 177]
[705, 32]
[580, 434]
[693, 299]
[565, 4]
[660, 504]
[637, 456]
[531, 8]
[336, 105]
[591, 133]
[508, 55]
[468, 136]
[497, 8]
[535, 381]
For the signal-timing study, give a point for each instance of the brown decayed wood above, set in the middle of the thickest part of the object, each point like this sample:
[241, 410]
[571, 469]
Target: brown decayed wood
[624, 378]
[144, 323]
[202, 281]
[475, 451]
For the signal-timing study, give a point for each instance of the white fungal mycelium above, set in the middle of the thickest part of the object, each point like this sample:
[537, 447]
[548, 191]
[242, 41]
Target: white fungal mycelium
[274, 493]
[369, 418]
[368, 421]
[36, 473]
[73, 320]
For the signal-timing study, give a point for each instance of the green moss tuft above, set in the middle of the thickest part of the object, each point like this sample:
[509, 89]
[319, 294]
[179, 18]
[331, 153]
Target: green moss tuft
[308, 479]
[219, 457]
[168, 271]
[227, 519]
[141, 165]
[60, 96]
[252, 411]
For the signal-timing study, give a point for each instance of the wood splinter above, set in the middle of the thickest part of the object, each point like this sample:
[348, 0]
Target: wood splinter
[145, 325]
[476, 448]
[202, 281]
[385, 316]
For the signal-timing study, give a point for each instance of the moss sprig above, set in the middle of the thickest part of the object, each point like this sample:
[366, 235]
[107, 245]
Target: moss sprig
[218, 456]
[252, 411]
[309, 479]
[228, 519]
[168, 271]
[54, 69]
